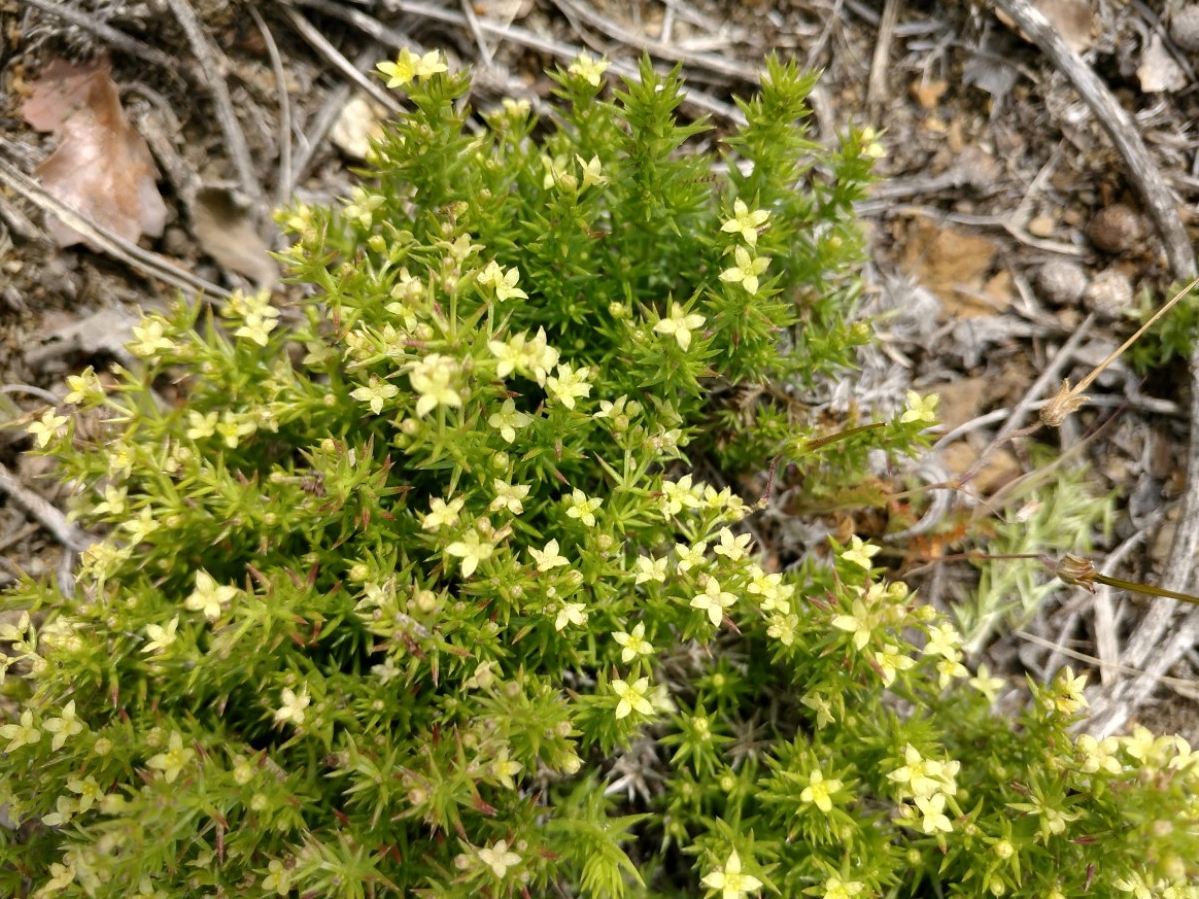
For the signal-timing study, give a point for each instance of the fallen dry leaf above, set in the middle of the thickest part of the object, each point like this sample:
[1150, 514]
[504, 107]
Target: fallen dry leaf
[102, 167]
[226, 233]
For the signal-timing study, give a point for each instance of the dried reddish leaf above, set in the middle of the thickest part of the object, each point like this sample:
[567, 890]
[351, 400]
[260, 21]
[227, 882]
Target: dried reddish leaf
[102, 167]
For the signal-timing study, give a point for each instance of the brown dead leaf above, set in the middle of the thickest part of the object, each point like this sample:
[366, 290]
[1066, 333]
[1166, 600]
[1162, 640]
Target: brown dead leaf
[102, 167]
[226, 234]
[1073, 19]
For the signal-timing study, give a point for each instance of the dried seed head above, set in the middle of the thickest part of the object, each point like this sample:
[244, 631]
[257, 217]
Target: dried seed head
[1057, 409]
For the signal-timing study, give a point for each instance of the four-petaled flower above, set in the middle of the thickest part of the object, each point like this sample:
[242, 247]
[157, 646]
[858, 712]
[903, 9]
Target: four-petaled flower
[588, 69]
[548, 558]
[509, 496]
[746, 271]
[651, 570]
[150, 339]
[583, 508]
[819, 791]
[745, 223]
[292, 705]
[472, 550]
[209, 597]
[921, 408]
[860, 553]
[86, 387]
[46, 428]
[890, 661]
[171, 762]
[571, 613]
[592, 171]
[634, 644]
[498, 857]
[508, 419]
[713, 601]
[568, 385]
[409, 66]
[432, 377]
[374, 394]
[161, 637]
[732, 548]
[731, 881]
[632, 697]
[836, 888]
[63, 727]
[278, 878]
[680, 324]
[442, 514]
[504, 768]
[21, 734]
[503, 282]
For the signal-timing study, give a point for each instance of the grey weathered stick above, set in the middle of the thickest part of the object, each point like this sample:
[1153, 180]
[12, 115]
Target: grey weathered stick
[45, 512]
[211, 64]
[1143, 174]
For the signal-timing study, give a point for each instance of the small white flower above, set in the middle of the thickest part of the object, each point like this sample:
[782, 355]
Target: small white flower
[292, 706]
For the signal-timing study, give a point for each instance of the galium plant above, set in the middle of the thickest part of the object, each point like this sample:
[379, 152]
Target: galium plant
[419, 593]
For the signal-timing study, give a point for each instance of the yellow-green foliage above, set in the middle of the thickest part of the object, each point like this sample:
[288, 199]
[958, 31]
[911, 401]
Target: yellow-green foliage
[417, 574]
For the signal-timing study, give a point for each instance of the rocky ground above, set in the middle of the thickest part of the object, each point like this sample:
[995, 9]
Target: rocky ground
[1017, 236]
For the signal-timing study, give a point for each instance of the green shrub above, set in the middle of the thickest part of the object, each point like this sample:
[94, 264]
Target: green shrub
[420, 595]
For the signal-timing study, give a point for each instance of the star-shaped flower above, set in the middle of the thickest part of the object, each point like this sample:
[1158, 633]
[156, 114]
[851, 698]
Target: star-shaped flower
[746, 271]
[745, 222]
[409, 66]
[679, 325]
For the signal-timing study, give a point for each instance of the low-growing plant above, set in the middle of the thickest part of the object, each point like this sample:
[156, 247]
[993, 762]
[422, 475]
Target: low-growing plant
[418, 592]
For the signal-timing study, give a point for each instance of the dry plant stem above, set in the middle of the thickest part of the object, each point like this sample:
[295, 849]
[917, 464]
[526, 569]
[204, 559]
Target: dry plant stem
[211, 65]
[1144, 175]
[472, 22]
[54, 521]
[1117, 704]
[343, 65]
[1051, 373]
[1073, 394]
[151, 264]
[282, 195]
[876, 87]
[116, 39]
[586, 13]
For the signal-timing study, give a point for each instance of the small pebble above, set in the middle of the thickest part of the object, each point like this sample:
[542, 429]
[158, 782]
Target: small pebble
[1109, 293]
[1184, 28]
[1115, 228]
[1061, 282]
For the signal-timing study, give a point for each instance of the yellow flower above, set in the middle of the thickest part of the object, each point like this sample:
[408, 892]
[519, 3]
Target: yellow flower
[632, 697]
[548, 558]
[590, 70]
[819, 791]
[46, 429]
[731, 882]
[471, 550]
[679, 325]
[745, 223]
[921, 408]
[171, 762]
[746, 271]
[409, 66]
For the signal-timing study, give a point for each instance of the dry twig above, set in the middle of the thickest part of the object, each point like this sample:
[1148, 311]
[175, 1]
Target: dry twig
[211, 64]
